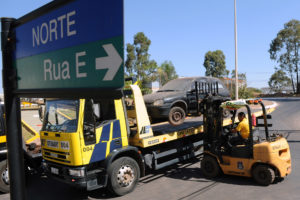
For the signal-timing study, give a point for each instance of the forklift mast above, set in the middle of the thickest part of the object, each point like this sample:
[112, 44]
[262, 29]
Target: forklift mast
[212, 114]
[212, 122]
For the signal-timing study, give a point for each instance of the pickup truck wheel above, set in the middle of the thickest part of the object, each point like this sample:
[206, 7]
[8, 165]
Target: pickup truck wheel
[123, 176]
[263, 175]
[4, 178]
[210, 167]
[176, 116]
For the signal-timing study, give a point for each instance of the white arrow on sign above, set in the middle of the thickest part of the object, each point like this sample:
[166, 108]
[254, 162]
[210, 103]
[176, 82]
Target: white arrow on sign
[112, 62]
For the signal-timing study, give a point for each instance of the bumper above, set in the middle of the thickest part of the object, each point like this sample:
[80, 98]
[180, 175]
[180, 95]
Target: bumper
[91, 181]
[285, 170]
[159, 112]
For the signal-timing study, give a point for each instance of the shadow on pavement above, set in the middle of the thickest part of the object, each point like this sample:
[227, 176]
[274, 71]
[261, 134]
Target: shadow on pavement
[38, 188]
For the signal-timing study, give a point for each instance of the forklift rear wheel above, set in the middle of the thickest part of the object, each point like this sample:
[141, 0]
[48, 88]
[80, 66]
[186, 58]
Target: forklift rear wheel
[263, 175]
[4, 179]
[176, 116]
[123, 175]
[210, 167]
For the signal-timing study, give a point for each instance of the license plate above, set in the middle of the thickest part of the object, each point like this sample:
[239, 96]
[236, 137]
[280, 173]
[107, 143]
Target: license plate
[52, 143]
[54, 170]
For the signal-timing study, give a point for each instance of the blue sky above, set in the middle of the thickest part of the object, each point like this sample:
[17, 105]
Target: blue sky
[183, 31]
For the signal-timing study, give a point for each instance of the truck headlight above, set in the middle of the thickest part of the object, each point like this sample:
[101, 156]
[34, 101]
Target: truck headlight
[158, 102]
[77, 172]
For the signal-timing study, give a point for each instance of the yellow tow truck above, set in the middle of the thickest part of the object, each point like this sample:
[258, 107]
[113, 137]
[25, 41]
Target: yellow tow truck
[89, 142]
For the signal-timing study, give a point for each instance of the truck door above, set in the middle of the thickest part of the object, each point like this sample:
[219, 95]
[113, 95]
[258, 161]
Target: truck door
[101, 129]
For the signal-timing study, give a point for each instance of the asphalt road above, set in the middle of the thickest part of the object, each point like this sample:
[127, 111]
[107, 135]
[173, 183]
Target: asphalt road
[185, 180]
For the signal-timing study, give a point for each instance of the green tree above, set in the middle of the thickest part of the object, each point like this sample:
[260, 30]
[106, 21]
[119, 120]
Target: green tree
[245, 92]
[241, 76]
[214, 63]
[137, 62]
[166, 72]
[285, 50]
[279, 80]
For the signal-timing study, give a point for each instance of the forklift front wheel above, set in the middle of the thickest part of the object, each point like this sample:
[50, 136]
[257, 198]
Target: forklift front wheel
[263, 175]
[123, 175]
[210, 167]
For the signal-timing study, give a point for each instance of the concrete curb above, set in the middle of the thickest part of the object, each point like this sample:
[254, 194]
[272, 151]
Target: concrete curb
[272, 106]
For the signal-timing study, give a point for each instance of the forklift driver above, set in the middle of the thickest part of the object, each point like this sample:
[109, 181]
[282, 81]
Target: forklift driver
[242, 130]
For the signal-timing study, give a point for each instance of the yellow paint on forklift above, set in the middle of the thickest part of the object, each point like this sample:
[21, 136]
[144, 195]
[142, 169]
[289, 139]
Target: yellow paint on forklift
[275, 153]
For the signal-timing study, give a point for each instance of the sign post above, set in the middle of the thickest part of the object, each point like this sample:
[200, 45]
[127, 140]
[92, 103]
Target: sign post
[12, 111]
[67, 48]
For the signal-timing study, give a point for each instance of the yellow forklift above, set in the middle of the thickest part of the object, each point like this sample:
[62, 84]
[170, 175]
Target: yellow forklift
[265, 158]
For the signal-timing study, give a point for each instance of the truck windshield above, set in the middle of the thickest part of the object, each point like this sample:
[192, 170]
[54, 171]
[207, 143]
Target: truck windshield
[61, 116]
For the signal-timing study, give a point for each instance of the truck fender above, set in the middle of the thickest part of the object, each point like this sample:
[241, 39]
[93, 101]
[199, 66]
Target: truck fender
[128, 151]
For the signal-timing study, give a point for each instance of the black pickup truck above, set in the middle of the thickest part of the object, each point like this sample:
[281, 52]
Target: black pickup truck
[177, 99]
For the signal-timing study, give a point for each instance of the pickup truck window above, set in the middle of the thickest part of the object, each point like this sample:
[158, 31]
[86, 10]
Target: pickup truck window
[176, 85]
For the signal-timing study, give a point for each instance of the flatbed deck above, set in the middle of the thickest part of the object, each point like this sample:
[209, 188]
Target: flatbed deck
[164, 132]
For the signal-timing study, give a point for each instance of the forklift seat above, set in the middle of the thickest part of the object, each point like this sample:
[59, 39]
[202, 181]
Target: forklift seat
[241, 151]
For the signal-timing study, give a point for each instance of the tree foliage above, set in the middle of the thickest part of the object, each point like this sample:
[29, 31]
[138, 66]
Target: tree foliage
[245, 92]
[241, 76]
[214, 63]
[166, 72]
[278, 81]
[138, 63]
[285, 50]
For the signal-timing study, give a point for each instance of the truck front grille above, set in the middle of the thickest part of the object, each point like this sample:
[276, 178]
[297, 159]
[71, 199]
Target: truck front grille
[56, 155]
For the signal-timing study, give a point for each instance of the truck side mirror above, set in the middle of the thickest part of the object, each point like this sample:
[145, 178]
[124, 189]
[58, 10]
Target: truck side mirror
[41, 111]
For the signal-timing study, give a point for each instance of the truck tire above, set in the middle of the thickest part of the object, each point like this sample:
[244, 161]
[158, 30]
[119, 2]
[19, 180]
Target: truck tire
[210, 167]
[176, 116]
[4, 178]
[123, 176]
[263, 175]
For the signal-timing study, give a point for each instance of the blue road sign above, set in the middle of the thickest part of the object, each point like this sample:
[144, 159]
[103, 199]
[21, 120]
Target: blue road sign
[77, 45]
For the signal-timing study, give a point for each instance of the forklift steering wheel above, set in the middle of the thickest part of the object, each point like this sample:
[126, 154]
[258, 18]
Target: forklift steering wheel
[226, 131]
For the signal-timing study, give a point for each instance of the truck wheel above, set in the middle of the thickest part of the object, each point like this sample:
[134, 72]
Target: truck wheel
[123, 175]
[263, 175]
[210, 167]
[176, 116]
[4, 178]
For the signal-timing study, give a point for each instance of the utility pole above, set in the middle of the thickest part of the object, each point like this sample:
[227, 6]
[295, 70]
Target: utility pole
[236, 57]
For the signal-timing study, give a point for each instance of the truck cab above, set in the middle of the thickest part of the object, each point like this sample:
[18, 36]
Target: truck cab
[79, 137]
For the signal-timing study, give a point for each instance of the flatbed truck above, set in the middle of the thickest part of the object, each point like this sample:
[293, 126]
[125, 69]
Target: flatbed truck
[89, 143]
